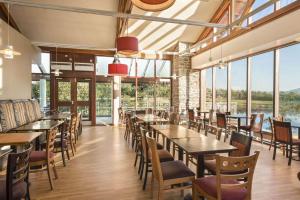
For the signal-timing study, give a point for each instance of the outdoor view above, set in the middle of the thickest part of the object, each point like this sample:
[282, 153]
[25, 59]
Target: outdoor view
[208, 85]
[221, 89]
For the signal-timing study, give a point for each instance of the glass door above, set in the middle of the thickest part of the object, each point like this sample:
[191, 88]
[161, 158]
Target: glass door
[64, 96]
[103, 103]
[73, 96]
[83, 96]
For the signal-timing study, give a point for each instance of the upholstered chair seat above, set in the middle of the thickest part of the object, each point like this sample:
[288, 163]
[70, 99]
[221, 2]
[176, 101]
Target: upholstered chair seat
[209, 185]
[37, 156]
[175, 169]
[19, 190]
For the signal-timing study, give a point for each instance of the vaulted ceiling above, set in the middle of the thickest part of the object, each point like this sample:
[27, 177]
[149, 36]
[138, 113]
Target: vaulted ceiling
[78, 30]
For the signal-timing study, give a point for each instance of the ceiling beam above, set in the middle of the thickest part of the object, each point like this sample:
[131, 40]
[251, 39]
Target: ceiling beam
[247, 9]
[4, 17]
[112, 13]
[215, 19]
[124, 6]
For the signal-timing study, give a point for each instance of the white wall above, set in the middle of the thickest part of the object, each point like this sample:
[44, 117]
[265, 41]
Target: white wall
[15, 74]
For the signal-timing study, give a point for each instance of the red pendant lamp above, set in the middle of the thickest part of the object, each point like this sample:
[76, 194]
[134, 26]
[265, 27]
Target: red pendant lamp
[153, 5]
[117, 69]
[127, 45]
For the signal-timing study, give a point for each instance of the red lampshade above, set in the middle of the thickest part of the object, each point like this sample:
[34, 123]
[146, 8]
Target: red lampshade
[153, 5]
[117, 69]
[127, 45]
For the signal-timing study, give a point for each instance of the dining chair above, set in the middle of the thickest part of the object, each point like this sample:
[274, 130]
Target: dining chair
[255, 127]
[174, 118]
[168, 174]
[191, 115]
[127, 129]
[270, 133]
[283, 135]
[72, 134]
[222, 124]
[213, 130]
[241, 142]
[164, 156]
[45, 158]
[236, 185]
[77, 126]
[15, 185]
[196, 126]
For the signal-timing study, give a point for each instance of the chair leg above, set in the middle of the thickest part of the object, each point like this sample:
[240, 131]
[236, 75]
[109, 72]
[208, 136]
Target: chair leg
[274, 152]
[142, 167]
[160, 193]
[194, 193]
[146, 175]
[140, 164]
[136, 158]
[63, 155]
[54, 170]
[67, 152]
[271, 143]
[49, 175]
[290, 155]
[152, 184]
[286, 150]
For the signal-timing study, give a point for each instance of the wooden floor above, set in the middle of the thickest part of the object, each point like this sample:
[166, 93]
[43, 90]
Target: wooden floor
[103, 170]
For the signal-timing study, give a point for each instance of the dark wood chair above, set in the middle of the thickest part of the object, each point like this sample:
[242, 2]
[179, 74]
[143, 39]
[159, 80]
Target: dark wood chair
[196, 126]
[236, 185]
[214, 131]
[255, 127]
[238, 140]
[164, 156]
[168, 174]
[16, 185]
[222, 124]
[46, 158]
[283, 135]
[191, 115]
[127, 129]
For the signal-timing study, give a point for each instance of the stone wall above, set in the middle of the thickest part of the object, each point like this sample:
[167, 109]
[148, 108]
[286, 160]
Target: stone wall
[185, 88]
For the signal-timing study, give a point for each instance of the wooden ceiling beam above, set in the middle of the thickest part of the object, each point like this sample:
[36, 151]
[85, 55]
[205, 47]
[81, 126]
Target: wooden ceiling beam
[124, 6]
[247, 9]
[4, 17]
[215, 19]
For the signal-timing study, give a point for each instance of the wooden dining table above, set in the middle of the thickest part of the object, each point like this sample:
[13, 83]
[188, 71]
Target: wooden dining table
[193, 143]
[18, 140]
[57, 116]
[43, 125]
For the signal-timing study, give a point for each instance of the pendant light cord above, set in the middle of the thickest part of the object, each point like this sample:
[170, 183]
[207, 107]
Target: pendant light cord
[8, 14]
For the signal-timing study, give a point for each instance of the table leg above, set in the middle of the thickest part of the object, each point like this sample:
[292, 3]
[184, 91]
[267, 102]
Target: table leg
[180, 154]
[239, 124]
[168, 144]
[200, 166]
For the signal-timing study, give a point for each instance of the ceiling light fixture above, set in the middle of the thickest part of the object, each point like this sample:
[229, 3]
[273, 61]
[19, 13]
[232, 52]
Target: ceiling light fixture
[9, 52]
[153, 5]
[221, 63]
[127, 45]
[116, 68]
[56, 72]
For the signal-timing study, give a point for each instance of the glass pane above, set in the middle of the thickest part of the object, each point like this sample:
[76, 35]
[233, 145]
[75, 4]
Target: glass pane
[35, 69]
[262, 85]
[239, 87]
[221, 89]
[285, 2]
[64, 91]
[208, 84]
[85, 112]
[128, 96]
[104, 101]
[130, 62]
[64, 109]
[263, 13]
[163, 68]
[145, 96]
[145, 68]
[83, 89]
[46, 63]
[102, 65]
[163, 94]
[289, 83]
[35, 89]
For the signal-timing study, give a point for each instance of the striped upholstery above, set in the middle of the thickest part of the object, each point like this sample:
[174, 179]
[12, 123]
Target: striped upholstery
[8, 120]
[30, 111]
[37, 109]
[20, 113]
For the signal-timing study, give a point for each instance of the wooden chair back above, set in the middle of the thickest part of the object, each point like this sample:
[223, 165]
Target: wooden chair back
[194, 126]
[73, 127]
[174, 118]
[214, 131]
[50, 142]
[221, 120]
[191, 115]
[17, 171]
[242, 169]
[282, 131]
[156, 167]
[257, 123]
[242, 143]
[145, 147]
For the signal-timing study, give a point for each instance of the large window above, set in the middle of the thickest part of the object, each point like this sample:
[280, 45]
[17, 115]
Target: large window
[145, 97]
[289, 83]
[221, 89]
[208, 89]
[239, 87]
[262, 84]
[163, 94]
[263, 13]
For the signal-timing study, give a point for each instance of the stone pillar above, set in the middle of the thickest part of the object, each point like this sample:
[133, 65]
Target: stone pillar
[43, 94]
[116, 99]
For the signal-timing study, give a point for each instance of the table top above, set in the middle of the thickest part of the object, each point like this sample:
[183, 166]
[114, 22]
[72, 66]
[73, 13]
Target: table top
[150, 118]
[236, 116]
[203, 145]
[43, 125]
[57, 116]
[18, 138]
[175, 131]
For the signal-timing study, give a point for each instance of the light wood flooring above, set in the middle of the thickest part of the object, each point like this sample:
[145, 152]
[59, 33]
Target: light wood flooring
[103, 169]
